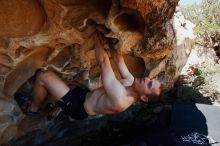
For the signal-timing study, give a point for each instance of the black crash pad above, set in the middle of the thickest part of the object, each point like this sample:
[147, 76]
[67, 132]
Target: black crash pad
[195, 124]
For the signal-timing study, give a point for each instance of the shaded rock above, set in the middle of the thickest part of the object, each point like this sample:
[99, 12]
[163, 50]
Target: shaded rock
[9, 117]
[25, 69]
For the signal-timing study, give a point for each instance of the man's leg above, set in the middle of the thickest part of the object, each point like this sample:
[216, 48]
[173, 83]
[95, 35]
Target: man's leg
[47, 82]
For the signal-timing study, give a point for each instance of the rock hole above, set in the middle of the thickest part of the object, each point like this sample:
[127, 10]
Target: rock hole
[69, 52]
[129, 22]
[135, 65]
[83, 10]
[22, 50]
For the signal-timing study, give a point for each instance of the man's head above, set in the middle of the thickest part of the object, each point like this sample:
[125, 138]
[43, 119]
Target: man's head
[149, 91]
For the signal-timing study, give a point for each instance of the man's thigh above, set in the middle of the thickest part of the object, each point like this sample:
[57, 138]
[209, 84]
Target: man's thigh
[54, 84]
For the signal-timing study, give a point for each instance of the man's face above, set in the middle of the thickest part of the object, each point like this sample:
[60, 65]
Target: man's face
[147, 86]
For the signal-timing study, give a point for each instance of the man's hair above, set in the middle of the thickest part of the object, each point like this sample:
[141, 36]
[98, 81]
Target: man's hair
[154, 98]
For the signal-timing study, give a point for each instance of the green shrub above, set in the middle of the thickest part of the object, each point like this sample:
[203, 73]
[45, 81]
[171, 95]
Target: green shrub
[206, 17]
[209, 71]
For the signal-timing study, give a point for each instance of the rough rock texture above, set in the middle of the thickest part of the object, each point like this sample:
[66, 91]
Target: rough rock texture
[57, 34]
[10, 115]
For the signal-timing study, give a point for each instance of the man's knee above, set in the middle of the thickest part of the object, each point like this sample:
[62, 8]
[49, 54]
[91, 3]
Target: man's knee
[44, 75]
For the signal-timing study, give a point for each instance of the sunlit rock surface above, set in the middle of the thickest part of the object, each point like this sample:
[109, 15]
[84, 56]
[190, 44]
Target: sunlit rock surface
[57, 35]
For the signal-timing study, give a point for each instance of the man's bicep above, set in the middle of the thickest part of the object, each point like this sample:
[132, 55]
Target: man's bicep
[114, 89]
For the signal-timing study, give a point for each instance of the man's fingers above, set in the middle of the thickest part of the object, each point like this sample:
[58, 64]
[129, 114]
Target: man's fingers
[95, 36]
[98, 38]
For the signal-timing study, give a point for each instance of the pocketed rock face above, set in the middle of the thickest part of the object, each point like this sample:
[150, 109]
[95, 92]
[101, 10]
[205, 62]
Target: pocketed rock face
[57, 35]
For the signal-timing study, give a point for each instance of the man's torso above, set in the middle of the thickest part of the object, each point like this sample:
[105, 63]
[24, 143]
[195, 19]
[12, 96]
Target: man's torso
[98, 102]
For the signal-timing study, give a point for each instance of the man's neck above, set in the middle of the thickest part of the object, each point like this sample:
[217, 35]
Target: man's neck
[132, 92]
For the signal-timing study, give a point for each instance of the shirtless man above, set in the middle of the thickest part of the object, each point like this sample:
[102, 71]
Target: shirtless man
[113, 97]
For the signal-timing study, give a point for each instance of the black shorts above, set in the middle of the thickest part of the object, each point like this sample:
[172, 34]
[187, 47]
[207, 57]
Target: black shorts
[72, 103]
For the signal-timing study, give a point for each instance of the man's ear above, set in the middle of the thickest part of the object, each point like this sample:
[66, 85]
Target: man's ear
[144, 98]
